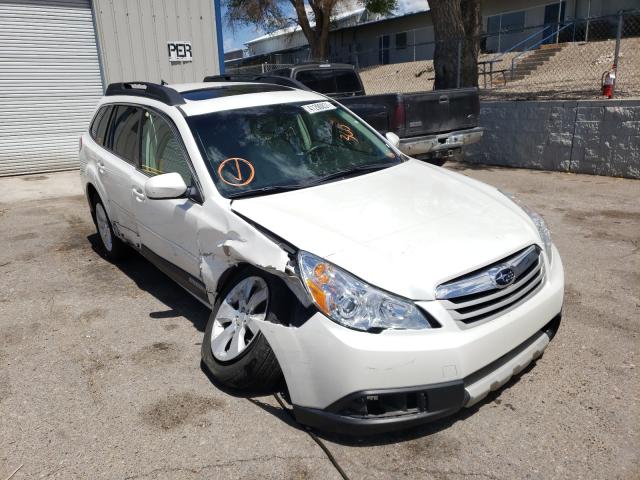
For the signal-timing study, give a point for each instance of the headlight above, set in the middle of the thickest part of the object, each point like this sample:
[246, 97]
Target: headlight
[538, 221]
[351, 302]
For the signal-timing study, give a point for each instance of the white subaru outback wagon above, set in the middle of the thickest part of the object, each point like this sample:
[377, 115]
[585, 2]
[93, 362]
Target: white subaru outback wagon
[387, 292]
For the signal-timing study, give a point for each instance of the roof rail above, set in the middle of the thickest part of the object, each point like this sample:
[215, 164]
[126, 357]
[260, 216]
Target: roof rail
[147, 90]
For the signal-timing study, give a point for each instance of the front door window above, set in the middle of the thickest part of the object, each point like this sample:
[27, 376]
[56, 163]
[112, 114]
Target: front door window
[161, 151]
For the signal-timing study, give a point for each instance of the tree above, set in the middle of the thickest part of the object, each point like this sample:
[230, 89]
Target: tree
[313, 17]
[456, 25]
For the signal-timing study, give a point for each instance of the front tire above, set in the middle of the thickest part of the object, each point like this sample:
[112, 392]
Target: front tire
[234, 351]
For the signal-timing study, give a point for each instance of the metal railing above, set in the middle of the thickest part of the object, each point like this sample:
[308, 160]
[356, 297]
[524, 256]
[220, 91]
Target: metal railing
[526, 50]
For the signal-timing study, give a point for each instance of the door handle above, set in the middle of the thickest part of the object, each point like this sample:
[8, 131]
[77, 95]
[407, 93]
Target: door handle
[444, 99]
[100, 167]
[138, 193]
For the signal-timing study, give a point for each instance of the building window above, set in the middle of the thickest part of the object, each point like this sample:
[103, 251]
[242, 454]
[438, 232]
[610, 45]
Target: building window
[401, 41]
[506, 22]
[383, 49]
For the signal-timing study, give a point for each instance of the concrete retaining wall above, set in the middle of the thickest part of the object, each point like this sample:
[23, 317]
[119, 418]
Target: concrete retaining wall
[596, 137]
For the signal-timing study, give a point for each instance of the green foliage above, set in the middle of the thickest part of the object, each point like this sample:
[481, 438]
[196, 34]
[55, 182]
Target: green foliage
[267, 14]
[380, 6]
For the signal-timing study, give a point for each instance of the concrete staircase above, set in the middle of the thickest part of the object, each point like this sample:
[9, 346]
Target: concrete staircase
[529, 64]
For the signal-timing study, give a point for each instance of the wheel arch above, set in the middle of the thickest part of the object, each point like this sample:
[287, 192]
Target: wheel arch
[291, 311]
[91, 192]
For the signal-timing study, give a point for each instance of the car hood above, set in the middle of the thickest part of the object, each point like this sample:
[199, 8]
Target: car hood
[405, 229]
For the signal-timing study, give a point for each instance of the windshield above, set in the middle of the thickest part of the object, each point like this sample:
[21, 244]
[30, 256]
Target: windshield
[271, 148]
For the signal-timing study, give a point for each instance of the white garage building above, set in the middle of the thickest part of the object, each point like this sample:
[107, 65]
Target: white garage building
[58, 56]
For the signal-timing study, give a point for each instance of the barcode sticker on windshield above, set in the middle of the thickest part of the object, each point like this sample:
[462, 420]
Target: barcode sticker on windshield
[319, 107]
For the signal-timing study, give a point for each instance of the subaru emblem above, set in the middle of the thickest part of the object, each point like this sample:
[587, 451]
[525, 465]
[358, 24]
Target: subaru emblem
[504, 277]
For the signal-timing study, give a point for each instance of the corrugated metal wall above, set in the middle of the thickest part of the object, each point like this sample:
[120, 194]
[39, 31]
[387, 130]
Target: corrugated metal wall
[49, 83]
[133, 36]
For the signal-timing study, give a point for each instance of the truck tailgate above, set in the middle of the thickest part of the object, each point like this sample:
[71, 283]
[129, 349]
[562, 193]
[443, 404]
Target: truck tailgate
[376, 110]
[439, 111]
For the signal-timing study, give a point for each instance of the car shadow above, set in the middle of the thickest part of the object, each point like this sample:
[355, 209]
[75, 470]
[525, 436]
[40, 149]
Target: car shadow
[255, 397]
[148, 278]
[460, 166]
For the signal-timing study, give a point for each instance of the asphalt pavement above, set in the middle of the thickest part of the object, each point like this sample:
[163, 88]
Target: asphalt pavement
[100, 364]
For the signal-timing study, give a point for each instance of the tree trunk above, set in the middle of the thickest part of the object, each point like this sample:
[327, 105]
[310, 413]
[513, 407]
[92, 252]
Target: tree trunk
[323, 38]
[448, 30]
[471, 20]
[456, 25]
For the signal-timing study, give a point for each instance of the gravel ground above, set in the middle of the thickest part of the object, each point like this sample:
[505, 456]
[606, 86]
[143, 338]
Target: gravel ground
[573, 73]
[100, 376]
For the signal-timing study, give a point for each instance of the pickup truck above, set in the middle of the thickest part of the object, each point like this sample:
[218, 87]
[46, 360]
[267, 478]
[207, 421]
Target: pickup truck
[431, 125]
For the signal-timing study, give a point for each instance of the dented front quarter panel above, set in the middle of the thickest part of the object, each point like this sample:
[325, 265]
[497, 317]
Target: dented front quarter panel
[225, 241]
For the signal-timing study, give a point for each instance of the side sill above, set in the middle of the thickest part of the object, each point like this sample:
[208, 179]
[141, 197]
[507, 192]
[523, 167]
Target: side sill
[187, 281]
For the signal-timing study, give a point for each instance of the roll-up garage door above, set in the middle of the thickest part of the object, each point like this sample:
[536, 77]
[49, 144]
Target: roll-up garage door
[49, 83]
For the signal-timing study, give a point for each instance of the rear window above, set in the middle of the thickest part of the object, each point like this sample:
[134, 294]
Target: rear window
[124, 132]
[282, 72]
[99, 125]
[347, 81]
[330, 81]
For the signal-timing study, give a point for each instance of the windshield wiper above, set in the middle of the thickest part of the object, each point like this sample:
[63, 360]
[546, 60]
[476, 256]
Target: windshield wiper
[266, 190]
[350, 172]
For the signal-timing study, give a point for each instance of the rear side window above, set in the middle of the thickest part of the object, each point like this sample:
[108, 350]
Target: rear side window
[125, 126]
[100, 123]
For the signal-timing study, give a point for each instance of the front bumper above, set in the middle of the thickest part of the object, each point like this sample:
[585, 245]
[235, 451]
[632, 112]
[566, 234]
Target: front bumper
[377, 411]
[445, 141]
[326, 365]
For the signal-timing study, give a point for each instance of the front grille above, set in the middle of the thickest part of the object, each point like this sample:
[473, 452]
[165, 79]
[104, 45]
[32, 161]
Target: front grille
[477, 296]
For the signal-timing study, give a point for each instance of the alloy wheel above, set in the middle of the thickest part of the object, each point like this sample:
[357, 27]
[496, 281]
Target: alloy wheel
[234, 326]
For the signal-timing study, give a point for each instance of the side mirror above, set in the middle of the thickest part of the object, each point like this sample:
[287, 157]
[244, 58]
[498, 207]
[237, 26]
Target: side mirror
[393, 139]
[167, 185]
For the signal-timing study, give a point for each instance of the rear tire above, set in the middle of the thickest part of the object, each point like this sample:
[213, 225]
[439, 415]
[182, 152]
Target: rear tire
[234, 351]
[111, 247]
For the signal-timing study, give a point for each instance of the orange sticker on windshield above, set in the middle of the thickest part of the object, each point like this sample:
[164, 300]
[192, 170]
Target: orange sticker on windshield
[346, 133]
[236, 172]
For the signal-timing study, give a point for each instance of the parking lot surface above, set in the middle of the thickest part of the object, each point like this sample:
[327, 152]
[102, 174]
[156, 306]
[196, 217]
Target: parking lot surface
[100, 364]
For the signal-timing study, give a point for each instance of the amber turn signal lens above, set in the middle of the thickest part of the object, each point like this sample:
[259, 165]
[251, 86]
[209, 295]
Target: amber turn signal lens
[318, 296]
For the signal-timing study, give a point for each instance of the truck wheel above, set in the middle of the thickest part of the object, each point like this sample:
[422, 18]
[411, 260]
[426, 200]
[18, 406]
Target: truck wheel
[234, 350]
[112, 247]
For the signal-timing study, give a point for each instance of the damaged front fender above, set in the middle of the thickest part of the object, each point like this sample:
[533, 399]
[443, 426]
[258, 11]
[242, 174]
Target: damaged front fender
[239, 241]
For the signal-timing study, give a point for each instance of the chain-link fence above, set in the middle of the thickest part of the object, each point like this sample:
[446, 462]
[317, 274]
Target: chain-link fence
[564, 60]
